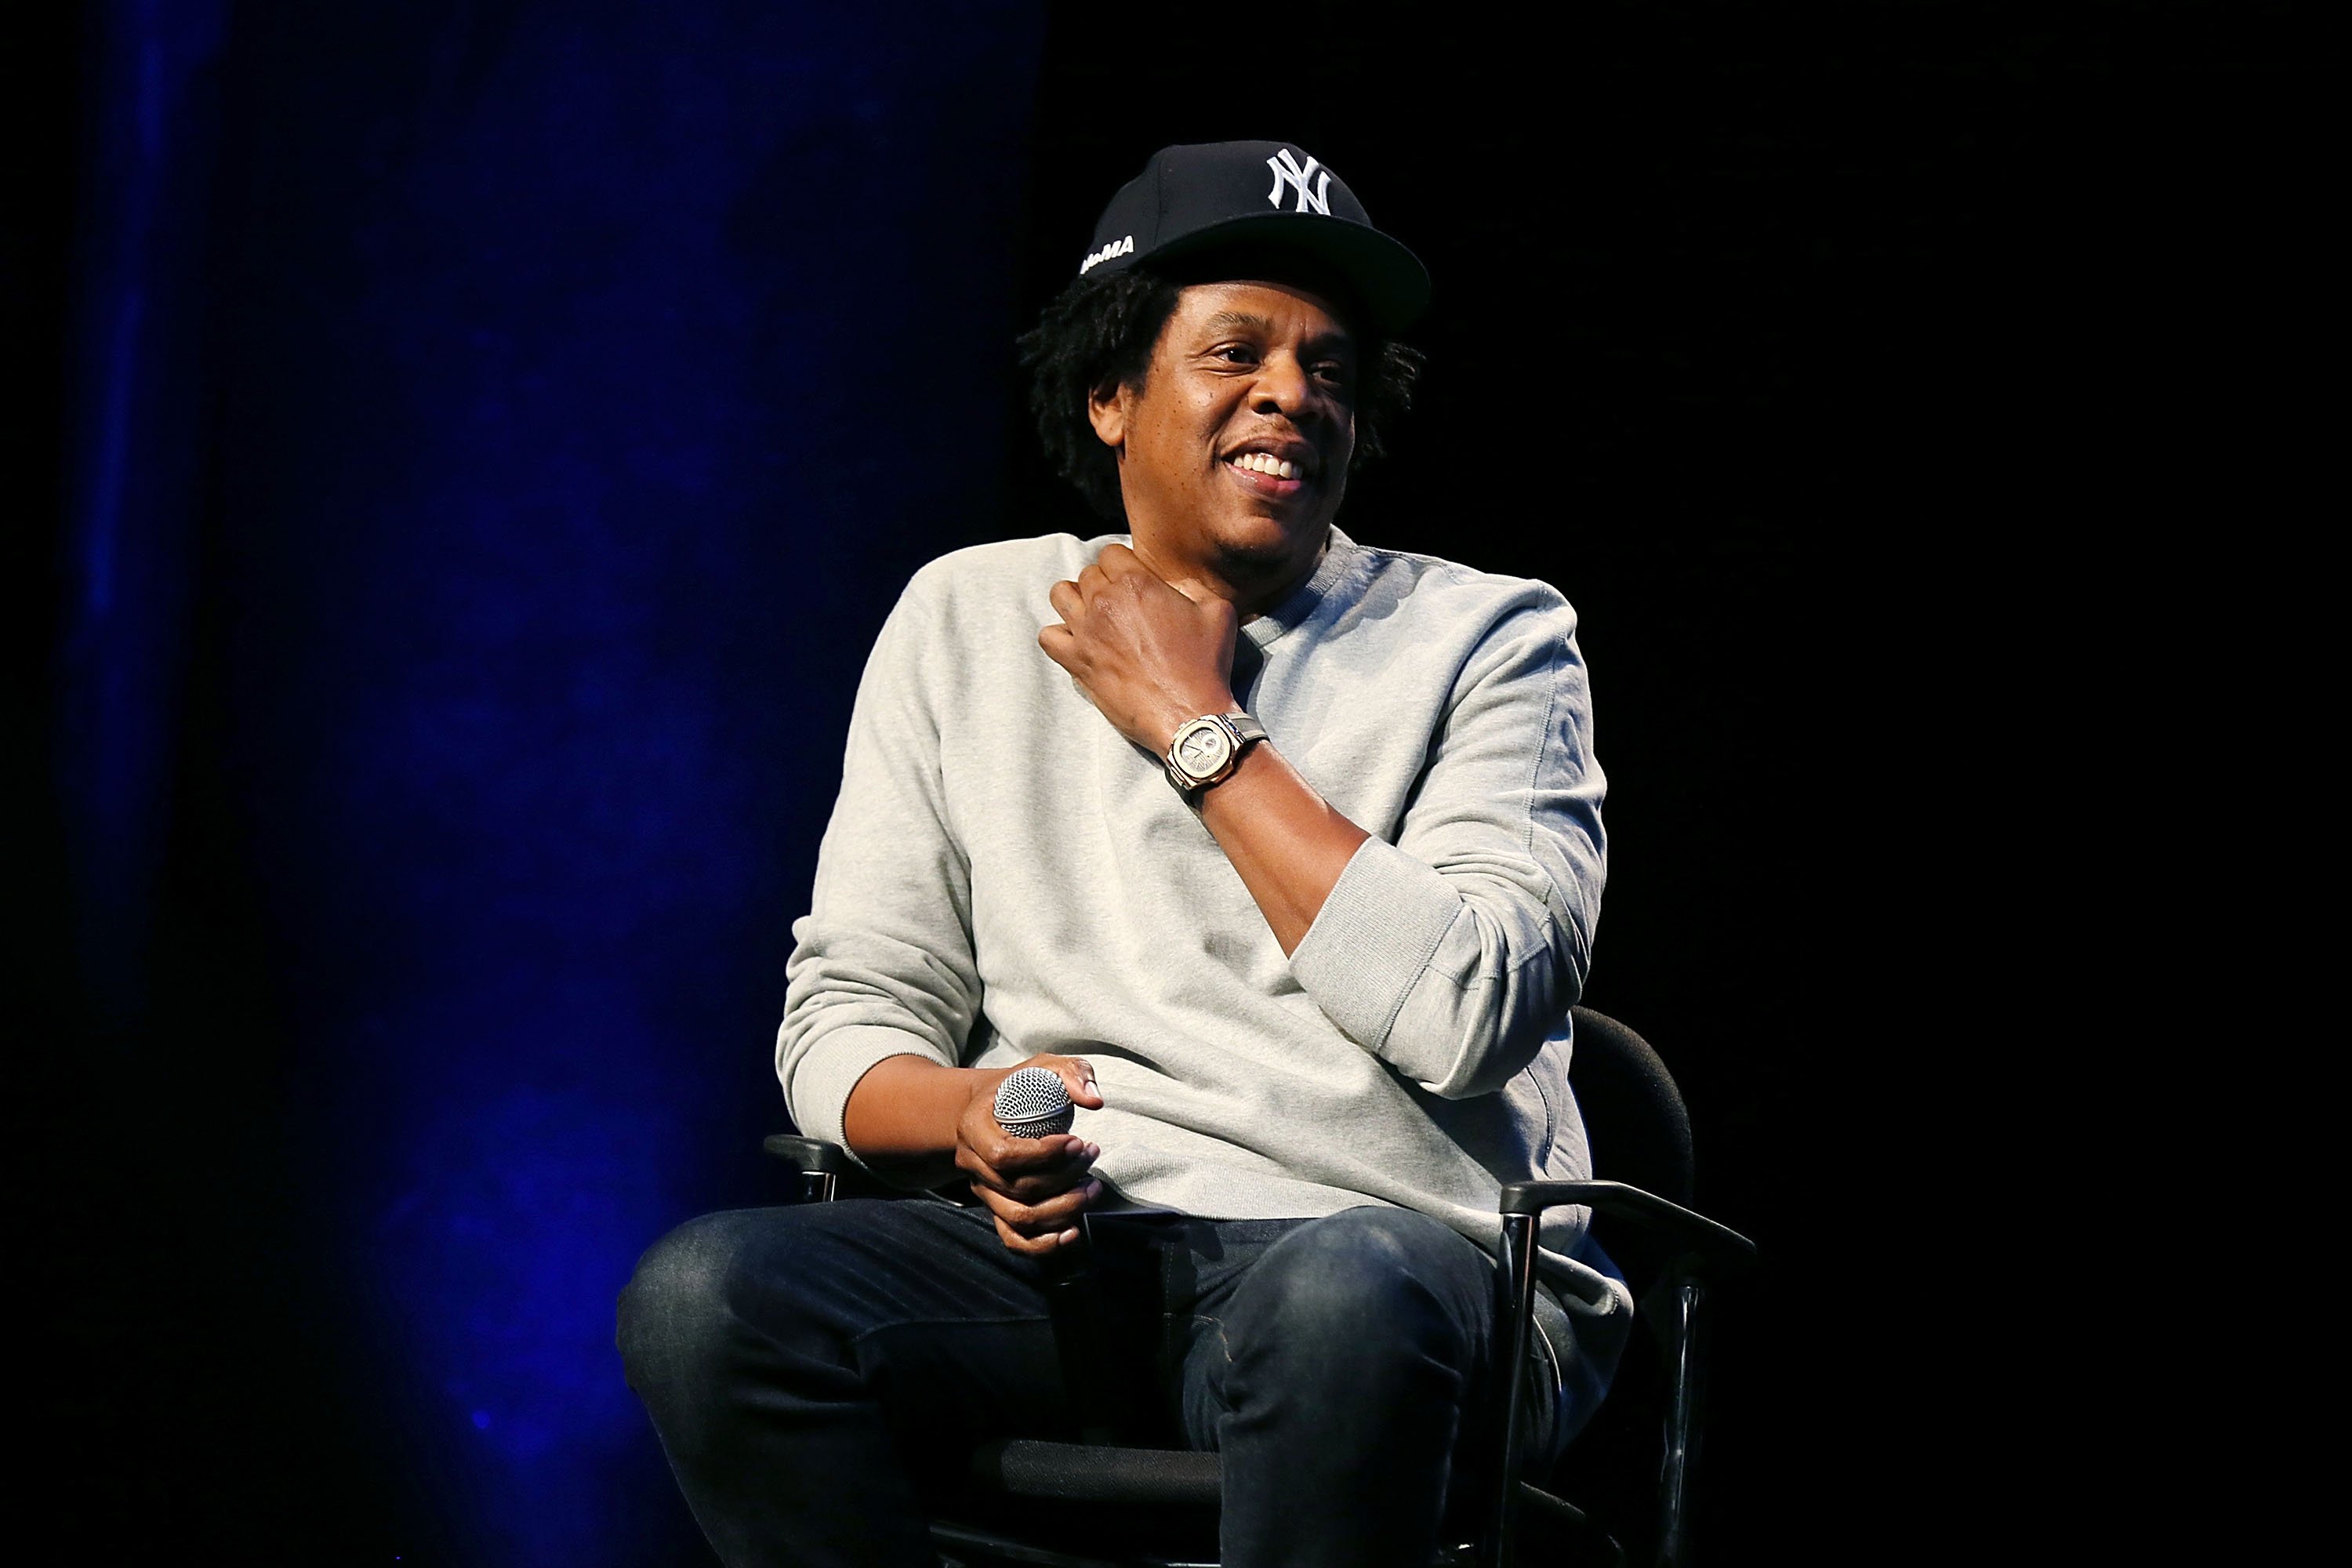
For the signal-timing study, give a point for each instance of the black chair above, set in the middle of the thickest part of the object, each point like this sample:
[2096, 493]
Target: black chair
[1121, 1506]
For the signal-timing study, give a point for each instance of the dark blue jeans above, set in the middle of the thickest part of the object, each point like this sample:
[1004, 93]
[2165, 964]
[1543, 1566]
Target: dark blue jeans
[816, 1373]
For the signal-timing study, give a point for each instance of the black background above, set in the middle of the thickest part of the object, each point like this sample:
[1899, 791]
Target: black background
[1900, 392]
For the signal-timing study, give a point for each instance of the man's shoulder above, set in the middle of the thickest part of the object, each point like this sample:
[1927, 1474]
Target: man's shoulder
[1003, 570]
[1426, 587]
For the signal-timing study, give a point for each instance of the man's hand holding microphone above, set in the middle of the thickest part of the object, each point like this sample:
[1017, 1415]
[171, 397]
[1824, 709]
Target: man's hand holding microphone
[1013, 1141]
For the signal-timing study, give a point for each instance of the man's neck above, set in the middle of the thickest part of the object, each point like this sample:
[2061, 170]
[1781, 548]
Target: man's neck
[1252, 586]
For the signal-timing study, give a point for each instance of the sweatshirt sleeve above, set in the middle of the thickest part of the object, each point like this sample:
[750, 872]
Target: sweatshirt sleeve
[882, 964]
[1452, 952]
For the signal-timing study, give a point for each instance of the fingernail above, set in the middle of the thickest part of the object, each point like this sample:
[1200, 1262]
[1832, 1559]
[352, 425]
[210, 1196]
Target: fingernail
[1068, 1236]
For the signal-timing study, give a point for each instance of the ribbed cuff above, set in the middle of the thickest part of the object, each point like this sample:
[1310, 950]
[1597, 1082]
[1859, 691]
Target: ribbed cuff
[1373, 939]
[823, 1078]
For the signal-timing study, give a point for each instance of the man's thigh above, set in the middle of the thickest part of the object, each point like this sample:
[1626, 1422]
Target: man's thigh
[847, 1271]
[911, 1302]
[1327, 1302]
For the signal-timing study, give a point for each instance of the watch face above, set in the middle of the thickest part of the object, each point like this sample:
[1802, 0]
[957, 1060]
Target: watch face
[1202, 747]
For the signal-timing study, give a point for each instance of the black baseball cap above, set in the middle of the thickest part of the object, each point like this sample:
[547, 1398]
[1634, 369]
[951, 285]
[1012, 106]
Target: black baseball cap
[1257, 197]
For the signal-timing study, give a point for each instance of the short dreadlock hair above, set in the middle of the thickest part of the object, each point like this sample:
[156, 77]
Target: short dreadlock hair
[1099, 332]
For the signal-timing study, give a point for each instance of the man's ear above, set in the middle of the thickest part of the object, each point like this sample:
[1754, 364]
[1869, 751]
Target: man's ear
[1106, 412]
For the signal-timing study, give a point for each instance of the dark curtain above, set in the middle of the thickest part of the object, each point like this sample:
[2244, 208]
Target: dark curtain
[495, 433]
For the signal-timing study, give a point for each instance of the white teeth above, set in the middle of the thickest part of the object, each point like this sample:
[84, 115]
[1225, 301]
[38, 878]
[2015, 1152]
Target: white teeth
[1267, 464]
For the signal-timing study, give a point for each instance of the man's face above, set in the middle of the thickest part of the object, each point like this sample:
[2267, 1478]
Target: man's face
[1234, 451]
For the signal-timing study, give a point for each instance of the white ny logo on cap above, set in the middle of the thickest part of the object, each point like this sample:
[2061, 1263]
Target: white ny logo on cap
[1286, 172]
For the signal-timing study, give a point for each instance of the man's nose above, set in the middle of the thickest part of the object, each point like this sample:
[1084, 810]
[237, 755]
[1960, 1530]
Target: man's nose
[1282, 388]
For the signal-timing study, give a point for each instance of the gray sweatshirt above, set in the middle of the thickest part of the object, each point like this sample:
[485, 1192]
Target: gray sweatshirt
[1004, 875]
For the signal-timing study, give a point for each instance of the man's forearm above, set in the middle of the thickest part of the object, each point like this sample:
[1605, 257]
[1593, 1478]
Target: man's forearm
[1287, 841]
[1150, 659]
[921, 1124]
[902, 1116]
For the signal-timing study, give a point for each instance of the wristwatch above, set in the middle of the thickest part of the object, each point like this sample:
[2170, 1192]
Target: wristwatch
[1208, 749]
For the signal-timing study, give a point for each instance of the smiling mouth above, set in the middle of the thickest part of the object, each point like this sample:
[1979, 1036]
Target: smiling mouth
[1267, 463]
[1264, 474]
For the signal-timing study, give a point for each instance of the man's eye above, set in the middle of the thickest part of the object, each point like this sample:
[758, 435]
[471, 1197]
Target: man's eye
[1236, 353]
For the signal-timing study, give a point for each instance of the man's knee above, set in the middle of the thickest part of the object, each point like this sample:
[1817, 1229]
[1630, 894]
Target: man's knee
[675, 1307]
[1368, 1278]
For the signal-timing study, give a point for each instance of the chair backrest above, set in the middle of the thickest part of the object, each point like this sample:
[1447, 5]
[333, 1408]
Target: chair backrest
[1633, 1114]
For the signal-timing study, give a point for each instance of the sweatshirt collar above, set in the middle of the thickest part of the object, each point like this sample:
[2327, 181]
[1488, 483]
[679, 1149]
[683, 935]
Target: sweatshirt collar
[1301, 601]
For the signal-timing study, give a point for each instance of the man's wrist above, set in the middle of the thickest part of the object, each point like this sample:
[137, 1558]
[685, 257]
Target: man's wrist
[1245, 765]
[904, 1113]
[1204, 752]
[1181, 713]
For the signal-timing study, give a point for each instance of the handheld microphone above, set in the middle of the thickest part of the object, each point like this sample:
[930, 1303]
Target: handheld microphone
[1031, 1103]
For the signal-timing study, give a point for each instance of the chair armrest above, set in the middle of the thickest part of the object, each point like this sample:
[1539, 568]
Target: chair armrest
[810, 1156]
[1722, 1249]
[1703, 1248]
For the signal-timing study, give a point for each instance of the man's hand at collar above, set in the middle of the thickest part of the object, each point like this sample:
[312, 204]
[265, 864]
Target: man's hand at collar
[1146, 656]
[1150, 660]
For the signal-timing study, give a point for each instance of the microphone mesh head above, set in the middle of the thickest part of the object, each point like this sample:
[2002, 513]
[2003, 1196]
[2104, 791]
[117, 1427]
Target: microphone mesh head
[1031, 1103]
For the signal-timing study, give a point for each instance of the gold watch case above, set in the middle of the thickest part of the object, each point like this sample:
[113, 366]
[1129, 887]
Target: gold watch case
[1205, 751]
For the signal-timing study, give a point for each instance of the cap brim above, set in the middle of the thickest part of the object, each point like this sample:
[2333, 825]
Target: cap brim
[1388, 278]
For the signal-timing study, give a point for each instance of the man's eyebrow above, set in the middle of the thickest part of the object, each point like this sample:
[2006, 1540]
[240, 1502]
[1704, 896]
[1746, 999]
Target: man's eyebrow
[1240, 320]
[1249, 321]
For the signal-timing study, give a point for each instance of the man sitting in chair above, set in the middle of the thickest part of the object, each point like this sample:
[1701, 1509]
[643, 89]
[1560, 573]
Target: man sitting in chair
[1282, 850]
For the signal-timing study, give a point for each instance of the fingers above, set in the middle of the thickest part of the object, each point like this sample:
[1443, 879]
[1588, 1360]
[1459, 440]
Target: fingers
[1034, 1187]
[1070, 600]
[1118, 570]
[1077, 1078]
[1035, 1246]
[1118, 564]
[1027, 1169]
[1037, 1227]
